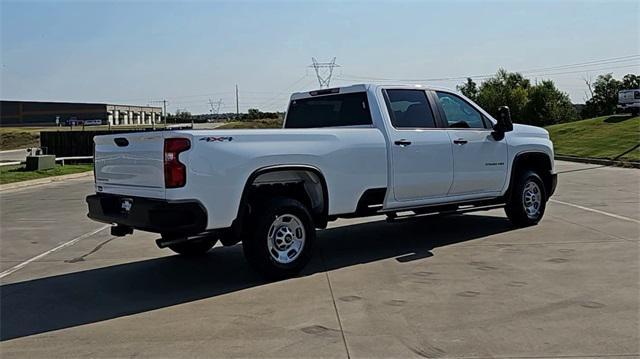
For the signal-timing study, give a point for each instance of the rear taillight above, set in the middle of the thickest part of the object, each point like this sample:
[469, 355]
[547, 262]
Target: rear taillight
[175, 172]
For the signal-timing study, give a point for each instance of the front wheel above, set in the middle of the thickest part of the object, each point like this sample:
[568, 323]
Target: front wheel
[282, 239]
[528, 200]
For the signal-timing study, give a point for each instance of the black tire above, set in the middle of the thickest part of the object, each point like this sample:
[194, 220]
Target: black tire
[193, 248]
[298, 228]
[521, 196]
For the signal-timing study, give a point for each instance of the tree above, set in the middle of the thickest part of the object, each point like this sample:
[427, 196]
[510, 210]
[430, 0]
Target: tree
[605, 95]
[630, 82]
[504, 89]
[542, 104]
[183, 115]
[469, 89]
[253, 114]
[547, 105]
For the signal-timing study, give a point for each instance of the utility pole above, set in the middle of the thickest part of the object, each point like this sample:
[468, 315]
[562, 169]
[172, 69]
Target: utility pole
[164, 103]
[237, 104]
[324, 71]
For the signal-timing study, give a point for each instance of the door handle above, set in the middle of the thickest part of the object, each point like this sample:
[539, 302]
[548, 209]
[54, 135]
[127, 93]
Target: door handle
[460, 141]
[402, 143]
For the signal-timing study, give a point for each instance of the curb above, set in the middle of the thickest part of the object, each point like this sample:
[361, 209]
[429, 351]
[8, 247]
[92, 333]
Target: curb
[598, 161]
[42, 181]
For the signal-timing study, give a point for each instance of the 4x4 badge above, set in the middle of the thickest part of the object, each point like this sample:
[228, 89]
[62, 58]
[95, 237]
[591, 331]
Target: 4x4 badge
[217, 138]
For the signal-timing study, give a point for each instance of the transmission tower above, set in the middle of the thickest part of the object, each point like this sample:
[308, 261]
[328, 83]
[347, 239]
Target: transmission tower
[215, 106]
[324, 71]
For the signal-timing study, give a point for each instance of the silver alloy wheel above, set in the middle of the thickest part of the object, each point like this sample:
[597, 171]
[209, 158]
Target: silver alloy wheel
[532, 199]
[285, 239]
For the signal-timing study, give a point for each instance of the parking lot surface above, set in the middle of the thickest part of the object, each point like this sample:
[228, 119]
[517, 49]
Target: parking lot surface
[466, 286]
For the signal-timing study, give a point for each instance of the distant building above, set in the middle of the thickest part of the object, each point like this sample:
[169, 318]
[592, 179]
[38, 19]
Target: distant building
[32, 113]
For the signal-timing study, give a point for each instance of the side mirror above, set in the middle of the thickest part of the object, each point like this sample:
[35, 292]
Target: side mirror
[504, 119]
[504, 123]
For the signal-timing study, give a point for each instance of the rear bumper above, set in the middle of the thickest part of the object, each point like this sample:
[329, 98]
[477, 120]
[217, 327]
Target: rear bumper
[628, 105]
[146, 214]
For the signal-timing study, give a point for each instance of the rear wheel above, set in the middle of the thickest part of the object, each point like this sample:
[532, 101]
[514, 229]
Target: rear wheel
[528, 200]
[282, 239]
[194, 247]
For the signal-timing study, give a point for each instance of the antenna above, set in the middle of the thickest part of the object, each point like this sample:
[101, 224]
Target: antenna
[324, 71]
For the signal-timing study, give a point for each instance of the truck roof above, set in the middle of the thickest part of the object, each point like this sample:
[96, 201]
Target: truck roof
[359, 88]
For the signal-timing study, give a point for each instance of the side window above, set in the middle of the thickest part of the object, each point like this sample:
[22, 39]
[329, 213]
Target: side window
[410, 109]
[459, 113]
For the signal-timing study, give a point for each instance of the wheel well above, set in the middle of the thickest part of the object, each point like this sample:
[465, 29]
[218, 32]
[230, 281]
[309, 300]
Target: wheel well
[536, 161]
[305, 184]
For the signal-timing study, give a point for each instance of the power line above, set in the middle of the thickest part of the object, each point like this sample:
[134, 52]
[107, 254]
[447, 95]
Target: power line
[275, 99]
[588, 63]
[486, 76]
[568, 66]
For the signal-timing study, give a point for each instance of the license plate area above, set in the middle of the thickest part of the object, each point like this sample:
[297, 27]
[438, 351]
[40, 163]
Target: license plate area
[117, 206]
[126, 204]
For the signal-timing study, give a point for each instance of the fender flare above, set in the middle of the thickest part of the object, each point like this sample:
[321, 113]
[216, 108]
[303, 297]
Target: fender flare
[514, 166]
[320, 217]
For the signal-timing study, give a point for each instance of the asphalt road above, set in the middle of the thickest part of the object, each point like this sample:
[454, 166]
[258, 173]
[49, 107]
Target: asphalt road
[460, 286]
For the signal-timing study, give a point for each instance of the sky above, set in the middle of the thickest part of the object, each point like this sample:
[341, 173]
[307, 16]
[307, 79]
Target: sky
[191, 52]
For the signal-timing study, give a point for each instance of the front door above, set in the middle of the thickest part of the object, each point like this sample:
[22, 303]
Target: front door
[480, 162]
[421, 157]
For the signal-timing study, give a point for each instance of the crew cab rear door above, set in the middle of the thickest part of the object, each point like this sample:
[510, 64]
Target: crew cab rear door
[480, 161]
[421, 158]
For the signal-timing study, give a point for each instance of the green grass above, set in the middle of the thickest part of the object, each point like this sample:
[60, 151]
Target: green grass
[14, 137]
[266, 123]
[10, 174]
[602, 137]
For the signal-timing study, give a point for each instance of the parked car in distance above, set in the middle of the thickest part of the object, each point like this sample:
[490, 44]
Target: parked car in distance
[344, 152]
[92, 122]
[629, 101]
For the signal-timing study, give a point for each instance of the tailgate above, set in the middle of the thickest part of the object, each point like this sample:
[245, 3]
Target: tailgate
[130, 163]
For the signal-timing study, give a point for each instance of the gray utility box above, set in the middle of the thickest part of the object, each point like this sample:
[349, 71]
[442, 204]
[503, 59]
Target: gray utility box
[40, 162]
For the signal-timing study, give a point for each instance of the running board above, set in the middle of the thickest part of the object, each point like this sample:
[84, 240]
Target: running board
[166, 242]
[393, 216]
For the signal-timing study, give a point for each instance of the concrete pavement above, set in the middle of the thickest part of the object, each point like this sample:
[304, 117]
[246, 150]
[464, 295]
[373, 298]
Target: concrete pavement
[460, 286]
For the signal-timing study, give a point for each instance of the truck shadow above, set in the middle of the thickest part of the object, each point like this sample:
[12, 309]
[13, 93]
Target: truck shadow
[90, 296]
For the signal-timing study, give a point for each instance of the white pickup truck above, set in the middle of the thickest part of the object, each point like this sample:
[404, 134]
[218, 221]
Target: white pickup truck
[351, 151]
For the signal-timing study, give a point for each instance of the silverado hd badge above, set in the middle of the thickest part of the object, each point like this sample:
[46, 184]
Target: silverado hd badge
[217, 138]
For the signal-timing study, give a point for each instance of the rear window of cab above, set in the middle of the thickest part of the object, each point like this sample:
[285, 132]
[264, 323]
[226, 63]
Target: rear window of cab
[338, 110]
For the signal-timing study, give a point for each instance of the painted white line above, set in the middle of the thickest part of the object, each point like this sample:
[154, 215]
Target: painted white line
[595, 211]
[63, 245]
